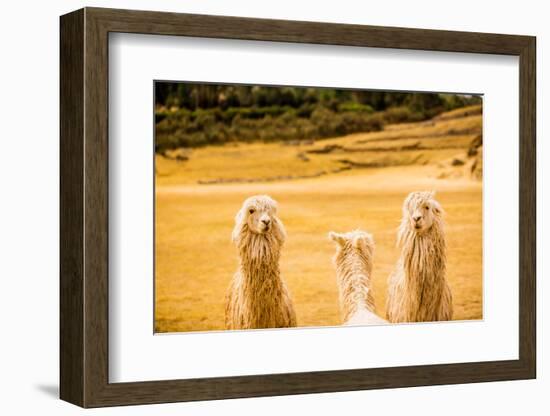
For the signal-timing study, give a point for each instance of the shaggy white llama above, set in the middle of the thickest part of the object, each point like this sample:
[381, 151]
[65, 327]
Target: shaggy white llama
[353, 262]
[257, 296]
[418, 289]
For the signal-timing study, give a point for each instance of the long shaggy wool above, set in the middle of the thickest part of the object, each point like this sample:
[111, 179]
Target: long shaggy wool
[258, 297]
[353, 262]
[418, 289]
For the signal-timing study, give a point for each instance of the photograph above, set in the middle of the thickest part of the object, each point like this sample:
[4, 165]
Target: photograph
[304, 206]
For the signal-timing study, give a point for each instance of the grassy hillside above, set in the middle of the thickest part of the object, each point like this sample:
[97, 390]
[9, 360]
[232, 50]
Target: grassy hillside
[398, 145]
[194, 115]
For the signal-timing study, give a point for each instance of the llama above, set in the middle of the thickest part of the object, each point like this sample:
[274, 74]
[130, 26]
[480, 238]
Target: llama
[418, 290]
[353, 262]
[258, 297]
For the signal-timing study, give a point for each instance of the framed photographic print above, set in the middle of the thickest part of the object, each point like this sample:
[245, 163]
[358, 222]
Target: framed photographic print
[255, 207]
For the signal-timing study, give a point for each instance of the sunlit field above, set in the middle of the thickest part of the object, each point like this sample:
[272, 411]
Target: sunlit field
[339, 184]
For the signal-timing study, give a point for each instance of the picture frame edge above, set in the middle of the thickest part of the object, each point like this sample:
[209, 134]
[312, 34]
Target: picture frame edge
[84, 215]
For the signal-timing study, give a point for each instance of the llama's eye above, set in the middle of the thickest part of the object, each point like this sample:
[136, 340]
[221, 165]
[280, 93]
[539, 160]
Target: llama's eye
[427, 208]
[251, 210]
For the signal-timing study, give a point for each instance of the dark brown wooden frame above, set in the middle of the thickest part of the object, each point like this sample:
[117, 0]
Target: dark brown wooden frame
[84, 207]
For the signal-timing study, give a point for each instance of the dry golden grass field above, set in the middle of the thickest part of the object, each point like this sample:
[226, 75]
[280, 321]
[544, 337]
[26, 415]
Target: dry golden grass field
[340, 184]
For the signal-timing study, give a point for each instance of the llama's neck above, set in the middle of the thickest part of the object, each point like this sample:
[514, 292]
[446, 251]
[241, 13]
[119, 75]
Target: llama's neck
[259, 262]
[423, 257]
[354, 277]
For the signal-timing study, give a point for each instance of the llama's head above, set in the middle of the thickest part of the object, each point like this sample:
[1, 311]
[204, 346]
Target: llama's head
[356, 244]
[258, 216]
[421, 211]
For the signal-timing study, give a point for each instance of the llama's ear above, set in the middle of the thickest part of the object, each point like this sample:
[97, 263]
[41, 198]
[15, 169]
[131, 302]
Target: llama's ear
[337, 238]
[407, 201]
[359, 242]
[238, 225]
[279, 230]
[363, 242]
[437, 207]
[274, 204]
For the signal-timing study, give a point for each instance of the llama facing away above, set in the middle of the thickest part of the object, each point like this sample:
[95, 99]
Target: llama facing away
[418, 290]
[257, 296]
[353, 262]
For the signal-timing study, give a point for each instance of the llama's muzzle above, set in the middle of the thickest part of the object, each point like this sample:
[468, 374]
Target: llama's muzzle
[265, 222]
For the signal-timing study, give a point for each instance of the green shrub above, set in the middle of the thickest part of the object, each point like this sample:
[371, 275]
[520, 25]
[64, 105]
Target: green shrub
[201, 127]
[355, 107]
